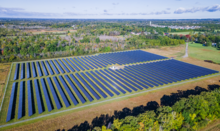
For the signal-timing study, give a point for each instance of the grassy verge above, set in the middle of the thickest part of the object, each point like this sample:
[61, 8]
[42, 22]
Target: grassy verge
[201, 52]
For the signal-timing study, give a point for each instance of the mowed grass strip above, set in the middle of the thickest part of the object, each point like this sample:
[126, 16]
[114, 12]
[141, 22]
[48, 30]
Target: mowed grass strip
[201, 52]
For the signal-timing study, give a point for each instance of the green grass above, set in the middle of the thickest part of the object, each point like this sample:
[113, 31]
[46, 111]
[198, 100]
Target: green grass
[201, 52]
[183, 33]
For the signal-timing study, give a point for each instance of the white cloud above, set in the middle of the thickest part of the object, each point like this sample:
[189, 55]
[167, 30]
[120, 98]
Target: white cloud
[182, 10]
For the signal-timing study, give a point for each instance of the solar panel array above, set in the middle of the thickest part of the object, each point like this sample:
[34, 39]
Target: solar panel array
[75, 64]
[77, 88]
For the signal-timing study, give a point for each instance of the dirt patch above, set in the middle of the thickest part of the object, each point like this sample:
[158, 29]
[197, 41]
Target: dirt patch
[206, 50]
[168, 51]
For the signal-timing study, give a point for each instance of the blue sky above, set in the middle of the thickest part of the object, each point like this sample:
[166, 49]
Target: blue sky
[119, 9]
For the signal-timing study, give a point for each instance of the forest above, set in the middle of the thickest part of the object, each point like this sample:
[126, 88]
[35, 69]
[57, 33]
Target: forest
[93, 36]
[187, 114]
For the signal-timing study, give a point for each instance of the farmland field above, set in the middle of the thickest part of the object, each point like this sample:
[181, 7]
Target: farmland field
[45, 87]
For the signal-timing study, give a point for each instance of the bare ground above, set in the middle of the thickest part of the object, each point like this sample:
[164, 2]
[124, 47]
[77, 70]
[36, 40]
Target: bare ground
[4, 69]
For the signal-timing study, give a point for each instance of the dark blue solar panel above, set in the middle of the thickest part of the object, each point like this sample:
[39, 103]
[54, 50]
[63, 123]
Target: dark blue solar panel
[39, 69]
[77, 84]
[30, 98]
[91, 58]
[105, 83]
[81, 64]
[16, 72]
[22, 71]
[75, 89]
[21, 100]
[99, 84]
[11, 102]
[44, 68]
[146, 78]
[111, 82]
[116, 81]
[68, 65]
[56, 63]
[28, 70]
[126, 79]
[120, 80]
[54, 67]
[90, 63]
[135, 79]
[93, 85]
[33, 69]
[48, 66]
[73, 98]
[61, 92]
[76, 68]
[81, 68]
[46, 95]
[39, 97]
[87, 86]
[55, 96]
[67, 70]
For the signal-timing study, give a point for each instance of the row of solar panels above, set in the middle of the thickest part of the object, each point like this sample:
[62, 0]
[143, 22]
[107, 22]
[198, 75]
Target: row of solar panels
[79, 88]
[51, 67]
[88, 86]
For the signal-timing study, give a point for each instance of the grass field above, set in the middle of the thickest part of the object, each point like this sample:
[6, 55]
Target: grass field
[183, 33]
[201, 52]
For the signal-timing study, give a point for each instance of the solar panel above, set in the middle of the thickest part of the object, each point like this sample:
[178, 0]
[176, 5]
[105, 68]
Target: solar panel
[106, 84]
[30, 98]
[39, 97]
[56, 63]
[73, 98]
[126, 79]
[116, 81]
[22, 71]
[46, 95]
[66, 69]
[77, 84]
[81, 64]
[44, 69]
[99, 84]
[11, 102]
[48, 66]
[33, 69]
[68, 65]
[93, 85]
[75, 89]
[66, 102]
[16, 72]
[87, 86]
[21, 107]
[39, 69]
[76, 68]
[54, 93]
[28, 70]
[54, 67]
[81, 68]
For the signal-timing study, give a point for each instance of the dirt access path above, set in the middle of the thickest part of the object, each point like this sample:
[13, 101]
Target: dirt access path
[100, 115]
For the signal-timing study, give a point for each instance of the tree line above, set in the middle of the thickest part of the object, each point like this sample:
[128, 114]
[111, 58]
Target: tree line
[187, 114]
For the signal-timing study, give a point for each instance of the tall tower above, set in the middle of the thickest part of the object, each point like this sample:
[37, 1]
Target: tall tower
[150, 23]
